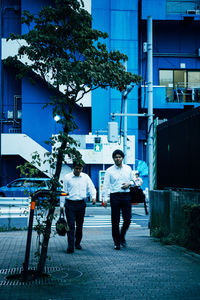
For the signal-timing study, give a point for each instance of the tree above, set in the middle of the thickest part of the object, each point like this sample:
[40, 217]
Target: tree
[64, 49]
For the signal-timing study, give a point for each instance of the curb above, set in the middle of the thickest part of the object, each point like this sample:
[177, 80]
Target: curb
[185, 251]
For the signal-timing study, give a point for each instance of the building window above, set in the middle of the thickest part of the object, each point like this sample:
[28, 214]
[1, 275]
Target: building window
[183, 6]
[181, 85]
[17, 107]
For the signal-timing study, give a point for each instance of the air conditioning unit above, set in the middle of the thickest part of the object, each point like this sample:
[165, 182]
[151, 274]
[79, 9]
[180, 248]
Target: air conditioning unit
[191, 12]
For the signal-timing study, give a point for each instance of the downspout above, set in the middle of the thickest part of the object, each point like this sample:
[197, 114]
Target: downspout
[1, 87]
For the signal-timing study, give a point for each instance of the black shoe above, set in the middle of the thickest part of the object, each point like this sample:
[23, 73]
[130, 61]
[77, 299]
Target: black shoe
[69, 250]
[78, 247]
[123, 243]
[117, 247]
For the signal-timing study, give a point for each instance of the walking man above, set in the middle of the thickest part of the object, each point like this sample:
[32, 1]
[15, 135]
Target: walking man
[118, 179]
[78, 186]
[138, 180]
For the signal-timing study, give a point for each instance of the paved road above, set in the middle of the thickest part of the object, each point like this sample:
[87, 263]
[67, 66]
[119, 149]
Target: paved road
[100, 217]
[97, 216]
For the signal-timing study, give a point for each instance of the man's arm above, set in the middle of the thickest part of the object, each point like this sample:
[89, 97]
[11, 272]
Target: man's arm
[127, 185]
[106, 187]
[92, 190]
[62, 198]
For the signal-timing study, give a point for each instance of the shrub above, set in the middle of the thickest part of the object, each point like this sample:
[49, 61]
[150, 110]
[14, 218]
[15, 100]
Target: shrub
[192, 226]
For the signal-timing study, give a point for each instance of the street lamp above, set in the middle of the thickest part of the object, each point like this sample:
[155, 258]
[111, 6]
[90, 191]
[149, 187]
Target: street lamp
[57, 118]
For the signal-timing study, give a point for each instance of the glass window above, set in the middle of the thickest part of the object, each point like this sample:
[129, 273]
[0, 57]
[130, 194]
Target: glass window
[194, 79]
[180, 78]
[181, 85]
[17, 183]
[166, 77]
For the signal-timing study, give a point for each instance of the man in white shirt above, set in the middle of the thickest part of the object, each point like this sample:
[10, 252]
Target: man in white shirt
[138, 180]
[78, 186]
[118, 179]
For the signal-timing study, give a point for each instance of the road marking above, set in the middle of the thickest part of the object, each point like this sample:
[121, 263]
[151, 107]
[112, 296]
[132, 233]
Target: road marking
[103, 221]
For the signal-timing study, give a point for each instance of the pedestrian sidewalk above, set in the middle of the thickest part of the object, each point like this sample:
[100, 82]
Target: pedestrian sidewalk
[143, 270]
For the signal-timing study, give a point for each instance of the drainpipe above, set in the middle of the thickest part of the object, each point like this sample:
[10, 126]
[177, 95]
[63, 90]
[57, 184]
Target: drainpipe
[1, 88]
[150, 98]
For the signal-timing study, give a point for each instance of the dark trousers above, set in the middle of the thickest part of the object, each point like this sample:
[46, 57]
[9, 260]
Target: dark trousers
[120, 202]
[75, 212]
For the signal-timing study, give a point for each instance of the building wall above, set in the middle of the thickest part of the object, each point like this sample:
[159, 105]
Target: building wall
[120, 20]
[175, 42]
[37, 121]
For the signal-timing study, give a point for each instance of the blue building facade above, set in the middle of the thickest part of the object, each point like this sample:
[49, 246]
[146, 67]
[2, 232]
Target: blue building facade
[176, 76]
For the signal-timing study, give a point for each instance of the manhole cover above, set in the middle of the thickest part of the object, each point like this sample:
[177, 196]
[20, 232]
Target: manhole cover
[51, 275]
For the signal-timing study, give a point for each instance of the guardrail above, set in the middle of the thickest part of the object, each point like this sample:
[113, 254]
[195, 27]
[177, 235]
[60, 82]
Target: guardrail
[14, 212]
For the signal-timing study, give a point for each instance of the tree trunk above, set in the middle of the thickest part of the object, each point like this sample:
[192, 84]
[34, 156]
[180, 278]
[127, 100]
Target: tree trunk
[47, 230]
[45, 243]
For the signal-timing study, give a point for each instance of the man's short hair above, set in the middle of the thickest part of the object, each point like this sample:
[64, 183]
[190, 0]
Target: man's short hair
[118, 152]
[78, 163]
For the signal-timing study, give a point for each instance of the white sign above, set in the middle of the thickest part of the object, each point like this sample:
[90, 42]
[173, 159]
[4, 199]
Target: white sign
[105, 155]
[90, 156]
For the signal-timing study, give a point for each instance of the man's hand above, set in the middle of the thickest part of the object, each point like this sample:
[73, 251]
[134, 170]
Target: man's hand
[94, 201]
[104, 204]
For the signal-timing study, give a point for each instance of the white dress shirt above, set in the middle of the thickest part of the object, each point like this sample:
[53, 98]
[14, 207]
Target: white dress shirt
[114, 178]
[138, 181]
[77, 187]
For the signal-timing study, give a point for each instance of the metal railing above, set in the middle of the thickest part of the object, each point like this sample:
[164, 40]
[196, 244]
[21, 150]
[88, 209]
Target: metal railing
[14, 212]
[181, 94]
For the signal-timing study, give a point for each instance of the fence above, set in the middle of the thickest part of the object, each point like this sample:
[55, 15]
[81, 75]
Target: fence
[14, 212]
[178, 149]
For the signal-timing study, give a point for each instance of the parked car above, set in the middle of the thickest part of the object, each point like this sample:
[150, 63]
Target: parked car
[23, 187]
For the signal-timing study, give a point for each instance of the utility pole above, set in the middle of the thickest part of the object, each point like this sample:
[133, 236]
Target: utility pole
[150, 99]
[1, 88]
[124, 95]
[124, 98]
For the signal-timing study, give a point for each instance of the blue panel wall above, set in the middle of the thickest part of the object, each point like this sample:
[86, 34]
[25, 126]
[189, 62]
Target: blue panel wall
[122, 17]
[124, 5]
[100, 4]
[100, 110]
[34, 7]
[10, 17]
[130, 48]
[123, 25]
[154, 8]
[11, 87]
[36, 119]
[182, 37]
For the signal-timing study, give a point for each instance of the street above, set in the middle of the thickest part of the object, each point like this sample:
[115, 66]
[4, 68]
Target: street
[99, 217]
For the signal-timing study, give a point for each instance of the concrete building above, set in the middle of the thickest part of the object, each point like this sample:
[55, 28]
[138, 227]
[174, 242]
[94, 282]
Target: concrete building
[25, 125]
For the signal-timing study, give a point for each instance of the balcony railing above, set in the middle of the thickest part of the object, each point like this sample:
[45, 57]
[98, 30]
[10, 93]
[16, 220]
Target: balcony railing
[163, 95]
[181, 94]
